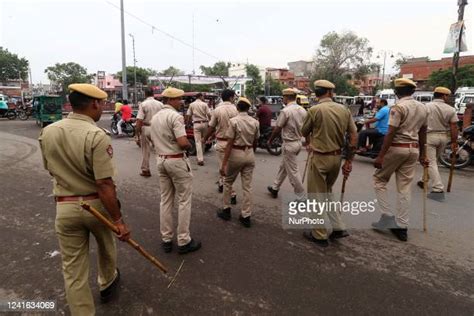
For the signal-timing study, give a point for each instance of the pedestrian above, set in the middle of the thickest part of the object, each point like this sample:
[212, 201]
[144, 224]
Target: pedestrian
[199, 114]
[78, 155]
[168, 134]
[242, 137]
[289, 123]
[325, 129]
[219, 124]
[264, 116]
[403, 146]
[126, 115]
[146, 110]
[376, 134]
[442, 128]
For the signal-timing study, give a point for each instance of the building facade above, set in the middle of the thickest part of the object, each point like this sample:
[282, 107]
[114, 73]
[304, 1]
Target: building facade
[301, 68]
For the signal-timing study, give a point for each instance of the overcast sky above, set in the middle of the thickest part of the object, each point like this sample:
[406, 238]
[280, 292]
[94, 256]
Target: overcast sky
[266, 33]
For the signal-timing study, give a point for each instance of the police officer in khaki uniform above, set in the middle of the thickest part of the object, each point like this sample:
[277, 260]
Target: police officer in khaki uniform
[176, 180]
[289, 123]
[442, 128]
[78, 155]
[325, 129]
[219, 124]
[403, 146]
[200, 114]
[147, 109]
[242, 136]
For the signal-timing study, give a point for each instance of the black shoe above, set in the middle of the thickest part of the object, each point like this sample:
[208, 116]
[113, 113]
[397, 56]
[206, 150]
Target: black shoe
[220, 188]
[385, 222]
[107, 293]
[400, 233]
[245, 221]
[320, 242]
[273, 192]
[189, 247]
[224, 214]
[233, 199]
[338, 234]
[420, 184]
[167, 246]
[437, 196]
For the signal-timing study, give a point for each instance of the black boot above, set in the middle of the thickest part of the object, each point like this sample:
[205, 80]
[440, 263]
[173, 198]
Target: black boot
[338, 234]
[320, 242]
[273, 192]
[108, 293]
[245, 221]
[189, 247]
[233, 199]
[224, 214]
[167, 246]
[400, 233]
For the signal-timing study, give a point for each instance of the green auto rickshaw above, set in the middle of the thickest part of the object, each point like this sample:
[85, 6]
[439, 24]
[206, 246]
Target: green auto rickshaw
[47, 109]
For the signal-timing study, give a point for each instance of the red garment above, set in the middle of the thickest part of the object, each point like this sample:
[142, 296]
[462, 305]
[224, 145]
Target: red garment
[264, 115]
[126, 112]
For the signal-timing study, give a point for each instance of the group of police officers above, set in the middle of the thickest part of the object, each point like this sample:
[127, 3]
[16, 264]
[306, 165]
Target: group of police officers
[79, 156]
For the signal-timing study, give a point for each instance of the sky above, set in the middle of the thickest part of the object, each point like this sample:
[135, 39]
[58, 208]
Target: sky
[266, 33]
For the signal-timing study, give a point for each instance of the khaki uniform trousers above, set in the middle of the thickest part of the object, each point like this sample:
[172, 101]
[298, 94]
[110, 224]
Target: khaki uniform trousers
[323, 171]
[289, 167]
[220, 150]
[176, 181]
[146, 145]
[73, 226]
[402, 162]
[436, 144]
[243, 162]
[199, 130]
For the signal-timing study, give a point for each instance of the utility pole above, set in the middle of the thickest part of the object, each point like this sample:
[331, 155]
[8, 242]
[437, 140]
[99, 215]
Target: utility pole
[461, 4]
[194, 72]
[135, 71]
[124, 60]
[384, 63]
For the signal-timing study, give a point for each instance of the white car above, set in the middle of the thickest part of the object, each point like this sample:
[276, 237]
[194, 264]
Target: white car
[461, 106]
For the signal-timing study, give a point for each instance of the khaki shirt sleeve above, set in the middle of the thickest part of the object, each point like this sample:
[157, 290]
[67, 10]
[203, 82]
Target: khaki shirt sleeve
[190, 110]
[141, 113]
[102, 153]
[230, 133]
[257, 134]
[307, 125]
[351, 128]
[282, 119]
[396, 116]
[454, 117]
[40, 139]
[213, 122]
[179, 129]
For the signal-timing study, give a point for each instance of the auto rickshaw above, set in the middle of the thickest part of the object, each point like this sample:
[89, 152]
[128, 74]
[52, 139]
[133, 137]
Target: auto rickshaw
[47, 109]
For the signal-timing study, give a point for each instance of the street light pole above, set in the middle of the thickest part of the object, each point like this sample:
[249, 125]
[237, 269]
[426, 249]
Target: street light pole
[461, 4]
[134, 70]
[384, 64]
[124, 61]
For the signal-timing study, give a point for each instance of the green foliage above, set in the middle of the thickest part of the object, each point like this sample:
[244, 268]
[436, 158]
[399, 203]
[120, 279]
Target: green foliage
[465, 77]
[142, 75]
[220, 68]
[11, 66]
[171, 71]
[62, 75]
[275, 87]
[255, 87]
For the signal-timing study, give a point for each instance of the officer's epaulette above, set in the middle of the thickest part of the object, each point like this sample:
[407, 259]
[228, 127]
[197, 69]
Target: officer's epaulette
[106, 131]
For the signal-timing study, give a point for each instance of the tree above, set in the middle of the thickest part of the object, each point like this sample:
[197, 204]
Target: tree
[401, 60]
[275, 87]
[171, 71]
[142, 75]
[220, 68]
[255, 87]
[341, 54]
[62, 75]
[444, 77]
[11, 66]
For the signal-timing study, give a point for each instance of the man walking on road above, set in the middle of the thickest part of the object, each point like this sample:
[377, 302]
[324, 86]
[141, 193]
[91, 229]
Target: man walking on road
[146, 111]
[325, 128]
[78, 155]
[168, 133]
[200, 114]
[403, 146]
[289, 124]
[442, 128]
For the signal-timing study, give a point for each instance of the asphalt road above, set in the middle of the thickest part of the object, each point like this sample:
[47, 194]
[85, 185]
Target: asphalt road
[262, 270]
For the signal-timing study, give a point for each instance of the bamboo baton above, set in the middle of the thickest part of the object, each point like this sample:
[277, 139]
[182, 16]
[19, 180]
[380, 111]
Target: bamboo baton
[306, 165]
[451, 170]
[131, 242]
[343, 188]
[425, 189]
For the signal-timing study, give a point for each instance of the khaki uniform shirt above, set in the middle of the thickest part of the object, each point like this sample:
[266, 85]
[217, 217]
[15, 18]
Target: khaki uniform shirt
[291, 119]
[441, 116]
[76, 153]
[148, 109]
[221, 117]
[244, 129]
[165, 129]
[328, 122]
[199, 111]
[409, 116]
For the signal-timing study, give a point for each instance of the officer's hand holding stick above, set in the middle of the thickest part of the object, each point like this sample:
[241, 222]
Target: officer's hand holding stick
[454, 151]
[309, 149]
[227, 152]
[117, 231]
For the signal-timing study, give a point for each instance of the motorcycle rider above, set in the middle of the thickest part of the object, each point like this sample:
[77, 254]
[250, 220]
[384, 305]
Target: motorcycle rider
[126, 111]
[381, 127]
[264, 115]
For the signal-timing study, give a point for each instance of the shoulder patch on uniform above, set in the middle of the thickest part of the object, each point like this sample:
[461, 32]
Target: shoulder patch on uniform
[110, 151]
[107, 132]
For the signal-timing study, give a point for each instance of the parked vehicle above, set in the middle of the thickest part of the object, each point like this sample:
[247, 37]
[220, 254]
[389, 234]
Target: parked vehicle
[190, 136]
[461, 92]
[5, 111]
[128, 128]
[387, 94]
[47, 109]
[275, 148]
[423, 96]
[465, 152]
[461, 106]
[303, 101]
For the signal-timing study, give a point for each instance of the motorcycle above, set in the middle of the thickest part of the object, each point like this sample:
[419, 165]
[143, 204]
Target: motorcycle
[190, 136]
[24, 112]
[9, 114]
[275, 147]
[465, 152]
[128, 128]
